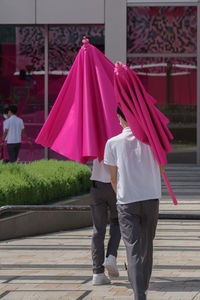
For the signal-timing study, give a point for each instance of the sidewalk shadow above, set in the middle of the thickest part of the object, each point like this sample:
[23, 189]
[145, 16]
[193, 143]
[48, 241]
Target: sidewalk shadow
[191, 284]
[167, 284]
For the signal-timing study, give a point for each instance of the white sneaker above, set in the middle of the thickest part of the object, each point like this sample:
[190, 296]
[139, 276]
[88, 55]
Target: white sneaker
[111, 266]
[100, 279]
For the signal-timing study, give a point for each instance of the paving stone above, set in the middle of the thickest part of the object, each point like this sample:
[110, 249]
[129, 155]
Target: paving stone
[58, 266]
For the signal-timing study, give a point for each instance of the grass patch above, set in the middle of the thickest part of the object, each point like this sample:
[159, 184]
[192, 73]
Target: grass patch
[41, 182]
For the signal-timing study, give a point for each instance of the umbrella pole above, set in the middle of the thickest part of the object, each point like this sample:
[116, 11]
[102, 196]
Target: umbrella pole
[169, 188]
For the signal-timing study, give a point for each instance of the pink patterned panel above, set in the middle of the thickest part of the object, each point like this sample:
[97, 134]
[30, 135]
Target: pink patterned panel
[162, 29]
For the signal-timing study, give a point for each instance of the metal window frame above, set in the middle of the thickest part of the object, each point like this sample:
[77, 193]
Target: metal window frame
[46, 79]
[162, 55]
[198, 84]
[166, 3]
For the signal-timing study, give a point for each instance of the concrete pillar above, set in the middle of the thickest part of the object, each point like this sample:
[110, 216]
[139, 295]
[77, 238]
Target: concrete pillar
[46, 79]
[17, 12]
[198, 84]
[69, 11]
[115, 30]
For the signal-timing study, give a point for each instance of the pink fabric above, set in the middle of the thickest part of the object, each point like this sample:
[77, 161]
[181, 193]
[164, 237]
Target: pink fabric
[84, 116]
[8, 57]
[156, 86]
[182, 88]
[147, 123]
[5, 151]
[169, 188]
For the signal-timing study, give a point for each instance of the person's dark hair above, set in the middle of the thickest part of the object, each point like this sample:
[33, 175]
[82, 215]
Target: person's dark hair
[120, 113]
[13, 109]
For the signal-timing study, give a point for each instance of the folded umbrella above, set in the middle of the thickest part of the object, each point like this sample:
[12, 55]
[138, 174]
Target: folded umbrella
[84, 116]
[147, 123]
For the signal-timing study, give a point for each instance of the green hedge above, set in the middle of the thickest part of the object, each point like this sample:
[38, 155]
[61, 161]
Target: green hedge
[42, 182]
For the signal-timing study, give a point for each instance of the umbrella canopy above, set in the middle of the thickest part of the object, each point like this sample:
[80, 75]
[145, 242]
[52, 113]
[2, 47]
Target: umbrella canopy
[147, 123]
[84, 116]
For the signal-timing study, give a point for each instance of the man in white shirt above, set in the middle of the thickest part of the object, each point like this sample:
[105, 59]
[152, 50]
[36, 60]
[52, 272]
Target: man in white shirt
[102, 199]
[13, 128]
[135, 177]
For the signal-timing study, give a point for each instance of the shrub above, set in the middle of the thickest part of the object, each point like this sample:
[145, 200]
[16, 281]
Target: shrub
[42, 182]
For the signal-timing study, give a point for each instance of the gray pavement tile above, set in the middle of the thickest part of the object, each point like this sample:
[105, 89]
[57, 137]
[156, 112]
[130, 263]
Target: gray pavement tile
[58, 266]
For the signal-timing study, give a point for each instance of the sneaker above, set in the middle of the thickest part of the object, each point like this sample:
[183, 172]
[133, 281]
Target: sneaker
[111, 266]
[100, 279]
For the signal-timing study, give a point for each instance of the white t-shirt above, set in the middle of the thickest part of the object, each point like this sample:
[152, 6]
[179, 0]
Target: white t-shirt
[14, 126]
[100, 172]
[138, 173]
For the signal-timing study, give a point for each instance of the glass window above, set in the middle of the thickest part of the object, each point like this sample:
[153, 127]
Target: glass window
[162, 29]
[162, 49]
[22, 80]
[172, 82]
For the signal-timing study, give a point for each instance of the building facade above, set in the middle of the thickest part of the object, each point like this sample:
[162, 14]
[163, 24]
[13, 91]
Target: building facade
[39, 40]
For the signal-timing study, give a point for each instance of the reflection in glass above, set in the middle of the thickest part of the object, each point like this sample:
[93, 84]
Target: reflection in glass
[169, 80]
[173, 83]
[162, 29]
[22, 80]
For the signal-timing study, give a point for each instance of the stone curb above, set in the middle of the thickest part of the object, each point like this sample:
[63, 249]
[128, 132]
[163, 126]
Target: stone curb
[36, 223]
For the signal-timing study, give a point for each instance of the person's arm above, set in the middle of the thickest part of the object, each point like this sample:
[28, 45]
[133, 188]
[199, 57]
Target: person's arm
[113, 177]
[110, 161]
[4, 136]
[26, 136]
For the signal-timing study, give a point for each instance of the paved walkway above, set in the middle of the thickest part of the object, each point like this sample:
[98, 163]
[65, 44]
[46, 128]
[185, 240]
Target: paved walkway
[58, 266]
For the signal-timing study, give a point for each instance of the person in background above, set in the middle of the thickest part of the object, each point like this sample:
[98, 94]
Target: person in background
[135, 177]
[12, 131]
[102, 199]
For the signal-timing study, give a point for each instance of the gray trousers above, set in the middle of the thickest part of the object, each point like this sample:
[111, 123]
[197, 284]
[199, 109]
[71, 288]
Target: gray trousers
[102, 199]
[138, 223]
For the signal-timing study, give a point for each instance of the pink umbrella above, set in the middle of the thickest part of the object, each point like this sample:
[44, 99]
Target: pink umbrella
[84, 116]
[147, 123]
